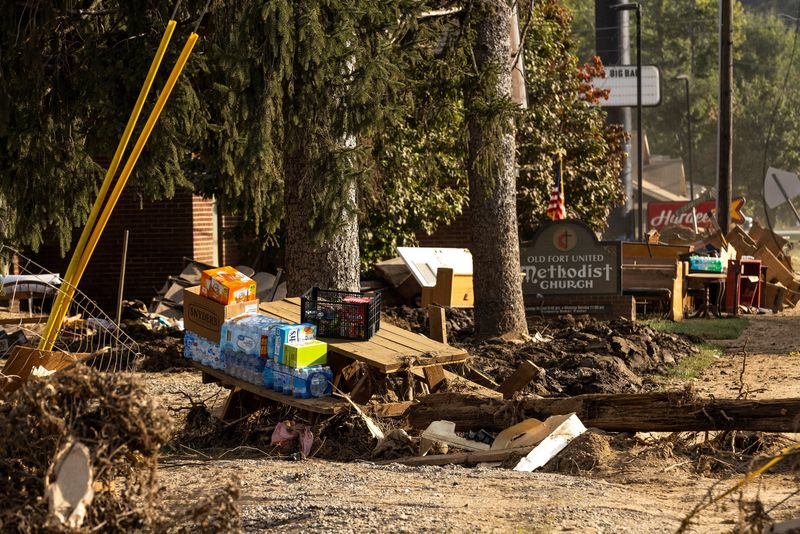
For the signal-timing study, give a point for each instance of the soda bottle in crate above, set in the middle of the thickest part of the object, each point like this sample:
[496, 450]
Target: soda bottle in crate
[354, 316]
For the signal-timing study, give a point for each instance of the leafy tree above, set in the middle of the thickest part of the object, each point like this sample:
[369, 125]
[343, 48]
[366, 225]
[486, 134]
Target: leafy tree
[419, 183]
[561, 119]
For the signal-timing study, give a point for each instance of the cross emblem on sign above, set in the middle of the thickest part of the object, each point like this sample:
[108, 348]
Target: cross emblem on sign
[565, 240]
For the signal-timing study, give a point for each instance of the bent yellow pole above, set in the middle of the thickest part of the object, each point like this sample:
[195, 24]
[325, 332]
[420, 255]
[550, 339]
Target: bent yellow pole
[64, 297]
[123, 178]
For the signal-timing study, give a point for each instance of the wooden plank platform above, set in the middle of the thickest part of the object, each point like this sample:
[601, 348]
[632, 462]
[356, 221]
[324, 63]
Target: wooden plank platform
[323, 405]
[392, 349]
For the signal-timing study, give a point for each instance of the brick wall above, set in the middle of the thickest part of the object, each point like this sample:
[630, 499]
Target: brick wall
[600, 306]
[204, 231]
[458, 234]
[161, 235]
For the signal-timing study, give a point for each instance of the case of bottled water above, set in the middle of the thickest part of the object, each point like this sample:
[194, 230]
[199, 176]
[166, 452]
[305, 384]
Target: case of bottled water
[249, 334]
[313, 381]
[202, 350]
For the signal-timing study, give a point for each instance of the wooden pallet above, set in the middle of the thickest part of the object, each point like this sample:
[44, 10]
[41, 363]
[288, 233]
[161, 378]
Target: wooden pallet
[321, 405]
[391, 350]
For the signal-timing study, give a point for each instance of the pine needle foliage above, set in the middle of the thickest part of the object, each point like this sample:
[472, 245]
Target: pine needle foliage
[343, 93]
[328, 92]
[340, 90]
[70, 71]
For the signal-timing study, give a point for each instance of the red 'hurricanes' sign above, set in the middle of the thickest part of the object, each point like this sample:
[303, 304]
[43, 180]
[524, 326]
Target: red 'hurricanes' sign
[662, 214]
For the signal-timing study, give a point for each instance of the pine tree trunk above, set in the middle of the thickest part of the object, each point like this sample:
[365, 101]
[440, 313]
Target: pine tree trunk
[331, 264]
[499, 306]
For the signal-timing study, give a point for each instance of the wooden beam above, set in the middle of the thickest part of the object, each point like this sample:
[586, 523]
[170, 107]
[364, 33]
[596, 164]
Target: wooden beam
[479, 377]
[322, 405]
[647, 412]
[438, 324]
[443, 291]
[519, 379]
[23, 320]
[208, 379]
[344, 371]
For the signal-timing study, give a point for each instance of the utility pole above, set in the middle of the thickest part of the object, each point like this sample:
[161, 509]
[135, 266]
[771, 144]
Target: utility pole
[612, 45]
[635, 6]
[725, 132]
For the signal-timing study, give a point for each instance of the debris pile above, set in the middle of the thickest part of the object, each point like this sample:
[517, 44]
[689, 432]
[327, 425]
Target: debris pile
[107, 412]
[161, 350]
[577, 354]
[120, 430]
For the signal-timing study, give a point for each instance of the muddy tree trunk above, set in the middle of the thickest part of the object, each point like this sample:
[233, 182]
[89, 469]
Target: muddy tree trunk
[332, 263]
[499, 306]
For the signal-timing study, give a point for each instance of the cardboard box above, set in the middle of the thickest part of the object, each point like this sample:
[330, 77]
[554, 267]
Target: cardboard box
[305, 354]
[226, 285]
[295, 333]
[205, 317]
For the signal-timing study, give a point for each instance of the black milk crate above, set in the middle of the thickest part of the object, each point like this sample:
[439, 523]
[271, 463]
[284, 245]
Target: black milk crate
[335, 317]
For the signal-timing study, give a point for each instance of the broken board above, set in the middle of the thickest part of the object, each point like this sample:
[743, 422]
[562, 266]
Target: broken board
[23, 359]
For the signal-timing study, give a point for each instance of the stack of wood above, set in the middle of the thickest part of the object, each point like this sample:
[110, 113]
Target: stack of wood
[782, 288]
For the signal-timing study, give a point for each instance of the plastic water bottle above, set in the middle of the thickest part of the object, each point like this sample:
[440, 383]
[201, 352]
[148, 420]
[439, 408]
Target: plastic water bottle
[252, 365]
[319, 382]
[300, 383]
[267, 376]
[279, 377]
[188, 340]
[258, 371]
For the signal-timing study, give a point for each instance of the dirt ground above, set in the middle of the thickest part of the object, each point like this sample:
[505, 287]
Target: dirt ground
[616, 484]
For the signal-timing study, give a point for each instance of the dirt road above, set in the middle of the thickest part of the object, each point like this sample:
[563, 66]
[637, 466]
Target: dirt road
[634, 484]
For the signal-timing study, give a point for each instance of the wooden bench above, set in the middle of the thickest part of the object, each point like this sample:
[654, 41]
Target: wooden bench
[654, 273]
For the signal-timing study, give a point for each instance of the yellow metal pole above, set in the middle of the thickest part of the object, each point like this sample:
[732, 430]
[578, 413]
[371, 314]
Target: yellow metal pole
[61, 298]
[123, 179]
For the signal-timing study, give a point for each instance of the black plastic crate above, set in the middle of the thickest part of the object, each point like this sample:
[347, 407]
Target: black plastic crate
[336, 317]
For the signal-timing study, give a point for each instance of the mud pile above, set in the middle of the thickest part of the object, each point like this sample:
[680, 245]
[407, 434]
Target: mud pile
[577, 354]
[460, 323]
[162, 351]
[585, 356]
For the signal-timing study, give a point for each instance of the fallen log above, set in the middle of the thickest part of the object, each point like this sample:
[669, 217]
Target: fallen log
[647, 412]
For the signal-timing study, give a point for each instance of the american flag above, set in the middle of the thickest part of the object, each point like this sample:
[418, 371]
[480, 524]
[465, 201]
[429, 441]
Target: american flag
[555, 209]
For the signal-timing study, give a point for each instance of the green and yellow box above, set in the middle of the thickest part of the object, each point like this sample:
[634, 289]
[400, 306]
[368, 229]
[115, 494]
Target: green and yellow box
[305, 353]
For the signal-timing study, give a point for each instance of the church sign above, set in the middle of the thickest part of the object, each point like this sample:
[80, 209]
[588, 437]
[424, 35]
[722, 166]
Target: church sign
[565, 258]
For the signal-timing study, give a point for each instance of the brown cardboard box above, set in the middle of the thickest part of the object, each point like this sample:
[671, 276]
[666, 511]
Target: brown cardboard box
[204, 317]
